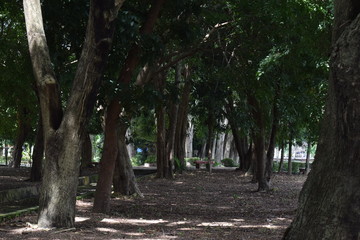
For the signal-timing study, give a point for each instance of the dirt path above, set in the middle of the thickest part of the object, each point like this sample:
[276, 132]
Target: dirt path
[195, 205]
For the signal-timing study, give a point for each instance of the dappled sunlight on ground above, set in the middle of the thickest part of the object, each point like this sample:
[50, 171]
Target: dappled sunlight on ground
[194, 206]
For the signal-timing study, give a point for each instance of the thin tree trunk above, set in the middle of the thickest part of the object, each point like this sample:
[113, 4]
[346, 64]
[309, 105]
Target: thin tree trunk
[252, 160]
[281, 156]
[170, 140]
[203, 150]
[248, 155]
[290, 155]
[171, 132]
[329, 201]
[272, 142]
[22, 132]
[182, 122]
[6, 154]
[38, 154]
[259, 143]
[213, 148]
[226, 140]
[130, 145]
[307, 163]
[210, 139]
[189, 137]
[86, 152]
[161, 153]
[239, 141]
[106, 170]
[161, 159]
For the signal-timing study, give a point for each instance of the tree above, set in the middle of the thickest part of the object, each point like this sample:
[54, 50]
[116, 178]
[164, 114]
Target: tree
[113, 110]
[19, 107]
[182, 121]
[23, 130]
[329, 200]
[64, 131]
[38, 154]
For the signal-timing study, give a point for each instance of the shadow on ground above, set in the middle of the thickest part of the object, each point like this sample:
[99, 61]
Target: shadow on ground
[195, 205]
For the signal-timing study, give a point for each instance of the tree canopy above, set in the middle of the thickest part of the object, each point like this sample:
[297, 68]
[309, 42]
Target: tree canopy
[254, 68]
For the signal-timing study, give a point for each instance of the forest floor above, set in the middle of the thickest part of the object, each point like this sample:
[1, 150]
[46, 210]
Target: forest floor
[195, 205]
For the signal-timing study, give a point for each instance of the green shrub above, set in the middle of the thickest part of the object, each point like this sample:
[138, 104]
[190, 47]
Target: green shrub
[192, 160]
[216, 164]
[228, 162]
[295, 166]
[151, 159]
[178, 165]
[137, 160]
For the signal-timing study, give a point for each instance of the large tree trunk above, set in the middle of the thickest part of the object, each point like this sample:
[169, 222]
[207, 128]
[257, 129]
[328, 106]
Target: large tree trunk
[124, 180]
[38, 154]
[329, 201]
[63, 134]
[103, 189]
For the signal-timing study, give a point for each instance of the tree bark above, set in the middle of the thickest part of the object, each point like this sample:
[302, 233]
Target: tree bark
[6, 154]
[220, 143]
[107, 165]
[210, 139]
[86, 152]
[290, 155]
[163, 140]
[281, 156]
[259, 144]
[22, 132]
[203, 151]
[173, 118]
[329, 201]
[189, 138]
[240, 142]
[182, 122]
[38, 154]
[63, 133]
[124, 180]
[130, 145]
[272, 142]
[307, 162]
[161, 158]
[110, 150]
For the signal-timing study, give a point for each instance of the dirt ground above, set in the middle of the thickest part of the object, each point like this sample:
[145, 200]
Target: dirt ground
[195, 205]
